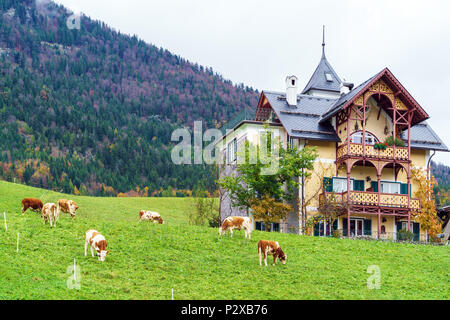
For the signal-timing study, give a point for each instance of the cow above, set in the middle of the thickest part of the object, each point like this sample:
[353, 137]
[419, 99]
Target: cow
[35, 204]
[270, 248]
[151, 216]
[238, 223]
[98, 242]
[50, 213]
[68, 206]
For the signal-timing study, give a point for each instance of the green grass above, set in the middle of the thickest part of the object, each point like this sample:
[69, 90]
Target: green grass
[147, 261]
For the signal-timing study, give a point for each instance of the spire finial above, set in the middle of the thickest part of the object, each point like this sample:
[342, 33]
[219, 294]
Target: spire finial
[323, 42]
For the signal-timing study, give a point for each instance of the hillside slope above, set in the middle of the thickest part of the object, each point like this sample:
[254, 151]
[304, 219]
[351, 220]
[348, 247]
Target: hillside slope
[94, 109]
[148, 261]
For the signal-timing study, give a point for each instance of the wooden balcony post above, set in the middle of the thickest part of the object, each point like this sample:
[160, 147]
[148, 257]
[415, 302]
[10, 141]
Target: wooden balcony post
[409, 168]
[348, 197]
[379, 188]
[379, 224]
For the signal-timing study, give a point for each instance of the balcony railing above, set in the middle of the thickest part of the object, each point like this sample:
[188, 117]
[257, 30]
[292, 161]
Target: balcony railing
[357, 150]
[367, 198]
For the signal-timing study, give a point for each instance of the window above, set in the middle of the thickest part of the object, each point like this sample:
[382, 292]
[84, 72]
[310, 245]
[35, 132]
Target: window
[232, 151]
[356, 227]
[274, 227]
[340, 184]
[290, 142]
[325, 229]
[357, 137]
[329, 77]
[390, 187]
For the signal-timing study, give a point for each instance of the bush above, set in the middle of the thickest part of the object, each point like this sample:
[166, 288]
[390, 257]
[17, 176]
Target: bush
[205, 210]
[405, 235]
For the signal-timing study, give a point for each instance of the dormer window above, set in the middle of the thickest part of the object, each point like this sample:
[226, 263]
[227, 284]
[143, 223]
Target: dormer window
[357, 137]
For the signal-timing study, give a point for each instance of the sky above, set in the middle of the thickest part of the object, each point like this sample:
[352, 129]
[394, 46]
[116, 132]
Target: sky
[259, 43]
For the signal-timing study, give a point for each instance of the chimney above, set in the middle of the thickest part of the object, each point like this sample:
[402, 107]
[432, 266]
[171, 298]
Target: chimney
[291, 90]
[346, 87]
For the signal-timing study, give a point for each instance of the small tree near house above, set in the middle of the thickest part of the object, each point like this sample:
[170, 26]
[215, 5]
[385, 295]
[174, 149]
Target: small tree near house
[269, 210]
[427, 217]
[267, 195]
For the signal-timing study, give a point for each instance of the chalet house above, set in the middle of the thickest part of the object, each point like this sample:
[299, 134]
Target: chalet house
[348, 126]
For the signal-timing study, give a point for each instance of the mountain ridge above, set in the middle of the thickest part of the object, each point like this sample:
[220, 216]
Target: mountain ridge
[92, 110]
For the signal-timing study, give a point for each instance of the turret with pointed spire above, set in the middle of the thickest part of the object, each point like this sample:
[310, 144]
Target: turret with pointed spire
[324, 81]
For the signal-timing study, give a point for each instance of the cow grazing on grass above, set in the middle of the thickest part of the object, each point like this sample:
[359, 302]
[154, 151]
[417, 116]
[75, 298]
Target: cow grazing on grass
[68, 206]
[33, 204]
[270, 248]
[98, 242]
[238, 223]
[151, 216]
[50, 213]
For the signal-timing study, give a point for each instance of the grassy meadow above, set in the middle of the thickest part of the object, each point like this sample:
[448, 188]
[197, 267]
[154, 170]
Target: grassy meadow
[148, 261]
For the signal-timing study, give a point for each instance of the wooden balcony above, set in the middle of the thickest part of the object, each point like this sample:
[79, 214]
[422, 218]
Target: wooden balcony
[357, 150]
[388, 201]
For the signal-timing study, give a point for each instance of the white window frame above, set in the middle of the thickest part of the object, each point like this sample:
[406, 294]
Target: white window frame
[232, 151]
[393, 187]
[343, 187]
[370, 138]
[356, 227]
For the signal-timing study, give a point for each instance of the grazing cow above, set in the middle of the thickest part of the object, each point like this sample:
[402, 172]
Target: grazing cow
[68, 206]
[50, 213]
[34, 204]
[270, 248]
[238, 223]
[151, 216]
[98, 242]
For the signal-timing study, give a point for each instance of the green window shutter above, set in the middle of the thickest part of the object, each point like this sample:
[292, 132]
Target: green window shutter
[316, 229]
[367, 227]
[404, 188]
[416, 231]
[374, 185]
[399, 226]
[335, 225]
[358, 185]
[344, 226]
[328, 184]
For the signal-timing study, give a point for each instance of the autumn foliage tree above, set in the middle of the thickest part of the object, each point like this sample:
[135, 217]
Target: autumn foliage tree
[427, 215]
[269, 210]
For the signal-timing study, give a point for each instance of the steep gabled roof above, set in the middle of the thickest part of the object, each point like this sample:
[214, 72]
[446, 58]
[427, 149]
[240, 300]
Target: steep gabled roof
[347, 99]
[338, 106]
[319, 80]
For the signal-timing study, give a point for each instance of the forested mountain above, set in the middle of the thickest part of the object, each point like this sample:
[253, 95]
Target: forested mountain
[442, 174]
[92, 110]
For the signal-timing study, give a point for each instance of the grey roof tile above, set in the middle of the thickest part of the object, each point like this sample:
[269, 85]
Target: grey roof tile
[302, 121]
[423, 137]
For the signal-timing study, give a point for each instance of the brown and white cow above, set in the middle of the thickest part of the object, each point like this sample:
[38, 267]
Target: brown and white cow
[68, 206]
[33, 204]
[151, 216]
[50, 213]
[270, 248]
[238, 223]
[98, 242]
